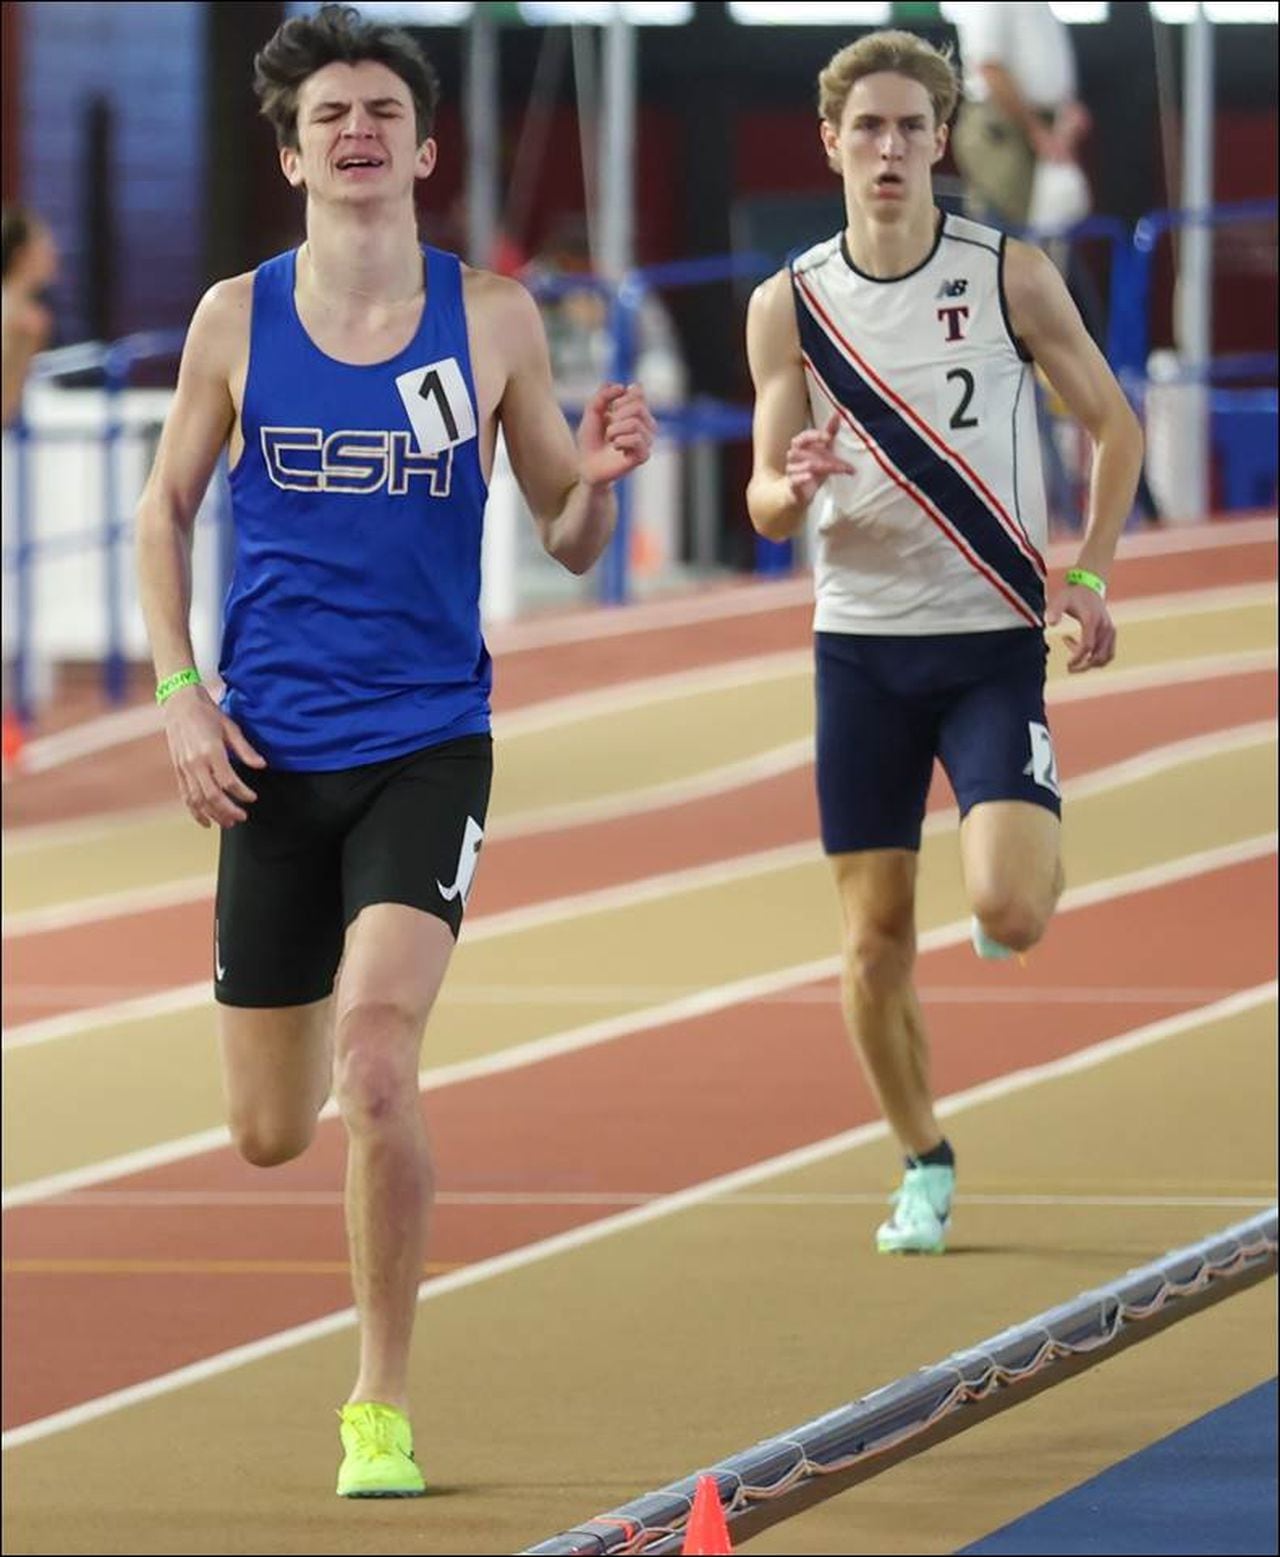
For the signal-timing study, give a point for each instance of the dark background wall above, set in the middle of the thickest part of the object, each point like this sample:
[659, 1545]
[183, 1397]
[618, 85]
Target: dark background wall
[111, 152]
[136, 135]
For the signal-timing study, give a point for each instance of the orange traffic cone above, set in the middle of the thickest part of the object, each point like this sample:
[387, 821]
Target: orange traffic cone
[707, 1534]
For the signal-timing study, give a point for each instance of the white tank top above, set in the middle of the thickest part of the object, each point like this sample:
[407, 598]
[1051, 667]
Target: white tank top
[943, 526]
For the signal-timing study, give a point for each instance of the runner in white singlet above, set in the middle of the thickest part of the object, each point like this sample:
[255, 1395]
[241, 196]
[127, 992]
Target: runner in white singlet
[894, 412]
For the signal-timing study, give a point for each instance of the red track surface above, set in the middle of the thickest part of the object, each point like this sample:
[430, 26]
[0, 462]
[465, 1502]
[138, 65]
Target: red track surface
[715, 1093]
[118, 958]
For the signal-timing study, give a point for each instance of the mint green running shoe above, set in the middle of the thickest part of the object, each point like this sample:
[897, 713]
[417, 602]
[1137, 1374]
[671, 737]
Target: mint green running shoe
[921, 1213]
[378, 1462]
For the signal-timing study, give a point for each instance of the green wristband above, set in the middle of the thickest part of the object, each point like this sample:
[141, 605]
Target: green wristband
[1089, 580]
[171, 684]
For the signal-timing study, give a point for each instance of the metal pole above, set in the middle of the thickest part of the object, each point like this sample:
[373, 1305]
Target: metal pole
[24, 656]
[615, 185]
[117, 372]
[483, 122]
[617, 148]
[1194, 310]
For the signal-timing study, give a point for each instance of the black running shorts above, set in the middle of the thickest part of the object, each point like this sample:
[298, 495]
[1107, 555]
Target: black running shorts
[319, 847]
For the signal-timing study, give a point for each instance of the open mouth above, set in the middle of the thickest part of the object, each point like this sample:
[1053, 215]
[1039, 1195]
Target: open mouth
[888, 181]
[347, 163]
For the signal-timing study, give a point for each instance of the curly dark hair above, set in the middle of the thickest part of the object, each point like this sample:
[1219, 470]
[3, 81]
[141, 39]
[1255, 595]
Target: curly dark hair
[305, 44]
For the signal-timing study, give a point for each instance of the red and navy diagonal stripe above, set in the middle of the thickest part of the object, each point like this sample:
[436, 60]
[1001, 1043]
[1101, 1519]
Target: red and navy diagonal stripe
[936, 477]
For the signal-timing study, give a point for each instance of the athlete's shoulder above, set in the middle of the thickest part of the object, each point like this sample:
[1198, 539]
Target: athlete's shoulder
[219, 330]
[488, 289]
[229, 298]
[801, 261]
[772, 293]
[501, 311]
[962, 230]
[1034, 291]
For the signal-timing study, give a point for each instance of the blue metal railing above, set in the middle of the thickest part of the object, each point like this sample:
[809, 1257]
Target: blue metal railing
[116, 362]
[1130, 338]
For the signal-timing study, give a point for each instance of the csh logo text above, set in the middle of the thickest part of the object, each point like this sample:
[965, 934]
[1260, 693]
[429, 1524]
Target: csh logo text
[355, 461]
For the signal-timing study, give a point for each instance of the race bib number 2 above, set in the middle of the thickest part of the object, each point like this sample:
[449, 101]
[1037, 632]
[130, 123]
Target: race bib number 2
[438, 405]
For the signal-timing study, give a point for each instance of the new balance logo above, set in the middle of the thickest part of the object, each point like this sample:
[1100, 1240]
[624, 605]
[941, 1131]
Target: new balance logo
[953, 288]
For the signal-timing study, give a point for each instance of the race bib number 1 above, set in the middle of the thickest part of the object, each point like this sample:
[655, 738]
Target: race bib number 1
[438, 405]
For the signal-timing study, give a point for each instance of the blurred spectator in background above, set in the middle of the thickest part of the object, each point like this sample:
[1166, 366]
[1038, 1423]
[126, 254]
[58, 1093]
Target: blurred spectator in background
[1021, 122]
[26, 315]
[1016, 141]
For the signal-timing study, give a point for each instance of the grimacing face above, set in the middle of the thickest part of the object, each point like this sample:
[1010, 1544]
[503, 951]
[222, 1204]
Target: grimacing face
[357, 136]
[886, 145]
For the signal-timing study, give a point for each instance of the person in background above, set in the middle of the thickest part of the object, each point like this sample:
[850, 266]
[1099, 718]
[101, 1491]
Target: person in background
[1020, 107]
[1016, 143]
[30, 269]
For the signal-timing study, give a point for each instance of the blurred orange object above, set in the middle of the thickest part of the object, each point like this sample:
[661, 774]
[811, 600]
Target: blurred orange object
[12, 739]
[707, 1534]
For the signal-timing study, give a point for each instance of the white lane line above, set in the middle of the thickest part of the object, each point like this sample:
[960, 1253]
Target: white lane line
[45, 752]
[703, 1002]
[627, 697]
[728, 776]
[183, 997]
[1199, 602]
[639, 1216]
[1116, 681]
[521, 824]
[461, 994]
[324, 1199]
[109, 905]
[755, 769]
[75, 832]
[1215, 535]
[650, 889]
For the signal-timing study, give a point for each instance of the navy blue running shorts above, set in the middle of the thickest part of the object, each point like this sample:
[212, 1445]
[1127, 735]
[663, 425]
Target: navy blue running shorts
[319, 847]
[887, 706]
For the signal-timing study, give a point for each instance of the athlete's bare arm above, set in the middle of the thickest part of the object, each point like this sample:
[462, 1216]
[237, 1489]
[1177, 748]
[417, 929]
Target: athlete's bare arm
[1047, 322]
[568, 485]
[202, 418]
[790, 458]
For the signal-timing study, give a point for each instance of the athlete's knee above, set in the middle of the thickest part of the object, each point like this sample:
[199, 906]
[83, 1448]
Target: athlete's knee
[879, 956]
[265, 1141]
[1015, 916]
[376, 1072]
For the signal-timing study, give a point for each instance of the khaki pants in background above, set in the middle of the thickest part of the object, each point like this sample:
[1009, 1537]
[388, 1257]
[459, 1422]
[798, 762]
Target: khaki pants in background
[996, 162]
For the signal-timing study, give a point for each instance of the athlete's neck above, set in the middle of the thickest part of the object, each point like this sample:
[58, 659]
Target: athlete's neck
[355, 257]
[888, 249]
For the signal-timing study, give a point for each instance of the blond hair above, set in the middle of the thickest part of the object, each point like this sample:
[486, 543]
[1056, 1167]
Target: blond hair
[901, 52]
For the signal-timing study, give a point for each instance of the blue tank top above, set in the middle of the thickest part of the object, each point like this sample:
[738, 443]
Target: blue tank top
[351, 629]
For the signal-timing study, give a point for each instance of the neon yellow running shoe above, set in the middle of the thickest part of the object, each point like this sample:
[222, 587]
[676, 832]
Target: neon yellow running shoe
[379, 1453]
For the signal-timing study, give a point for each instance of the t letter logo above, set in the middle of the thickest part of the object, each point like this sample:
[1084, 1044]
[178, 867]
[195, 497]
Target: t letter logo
[953, 315]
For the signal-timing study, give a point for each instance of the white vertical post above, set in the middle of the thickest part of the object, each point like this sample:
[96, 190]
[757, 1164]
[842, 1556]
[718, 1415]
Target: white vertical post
[616, 180]
[1193, 322]
[483, 126]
